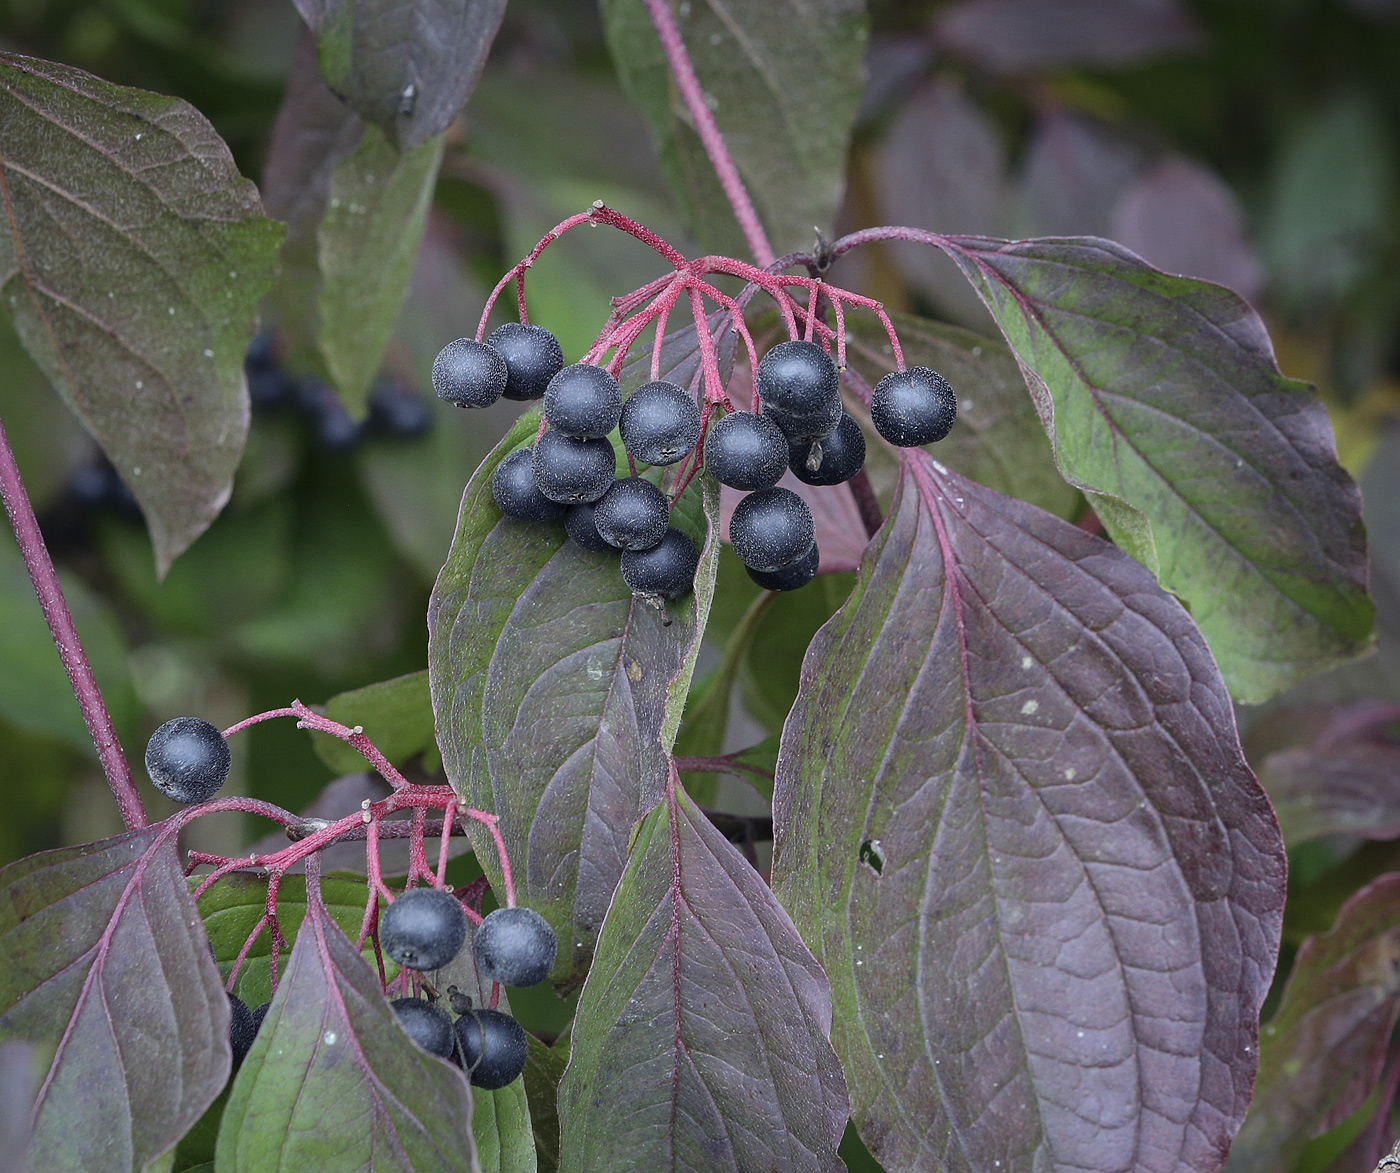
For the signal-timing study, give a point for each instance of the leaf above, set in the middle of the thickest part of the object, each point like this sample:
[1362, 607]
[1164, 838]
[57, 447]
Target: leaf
[557, 697]
[1345, 783]
[998, 440]
[1182, 217]
[19, 1080]
[107, 968]
[783, 92]
[332, 1080]
[408, 66]
[1014, 36]
[1075, 170]
[1012, 818]
[1165, 405]
[543, 1070]
[397, 715]
[701, 1040]
[356, 210]
[1321, 1053]
[133, 262]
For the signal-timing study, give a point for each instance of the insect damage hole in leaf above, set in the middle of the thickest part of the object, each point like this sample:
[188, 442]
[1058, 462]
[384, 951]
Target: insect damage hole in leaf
[872, 856]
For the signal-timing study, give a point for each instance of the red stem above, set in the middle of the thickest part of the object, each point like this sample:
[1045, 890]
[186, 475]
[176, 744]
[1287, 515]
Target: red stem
[728, 174]
[65, 638]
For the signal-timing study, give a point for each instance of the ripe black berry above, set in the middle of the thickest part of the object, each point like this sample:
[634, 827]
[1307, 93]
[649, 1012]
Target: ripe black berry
[469, 373]
[516, 494]
[746, 451]
[666, 571]
[583, 401]
[423, 929]
[632, 515]
[842, 456]
[259, 1013]
[515, 946]
[532, 355]
[188, 759]
[660, 423]
[771, 529]
[798, 378]
[801, 429]
[426, 1024]
[789, 578]
[494, 1048]
[570, 471]
[242, 1030]
[398, 412]
[580, 523]
[913, 407]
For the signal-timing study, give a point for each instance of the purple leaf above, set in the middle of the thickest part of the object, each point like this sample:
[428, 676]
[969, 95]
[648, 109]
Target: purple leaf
[558, 695]
[1012, 817]
[1075, 171]
[332, 1080]
[1013, 36]
[701, 1040]
[19, 1080]
[1167, 408]
[1346, 783]
[1181, 217]
[1321, 1054]
[132, 262]
[408, 66]
[107, 968]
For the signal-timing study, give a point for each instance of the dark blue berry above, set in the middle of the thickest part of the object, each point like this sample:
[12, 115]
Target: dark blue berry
[660, 423]
[789, 578]
[532, 355]
[771, 528]
[633, 514]
[569, 471]
[583, 401]
[515, 492]
[840, 456]
[427, 1025]
[494, 1048]
[515, 946]
[241, 1028]
[666, 571]
[470, 373]
[581, 526]
[423, 929]
[800, 429]
[913, 407]
[398, 412]
[260, 1013]
[746, 451]
[798, 378]
[188, 759]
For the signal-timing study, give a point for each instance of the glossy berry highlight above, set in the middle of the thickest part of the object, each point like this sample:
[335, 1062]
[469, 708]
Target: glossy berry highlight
[581, 526]
[533, 357]
[188, 759]
[660, 423]
[840, 456]
[666, 571]
[515, 946]
[798, 378]
[423, 929]
[771, 528]
[913, 407]
[427, 1025]
[494, 1048]
[632, 515]
[789, 578]
[746, 451]
[583, 401]
[468, 373]
[569, 471]
[514, 490]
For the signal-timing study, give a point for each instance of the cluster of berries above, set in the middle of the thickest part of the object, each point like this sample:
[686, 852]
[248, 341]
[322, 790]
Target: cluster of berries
[570, 472]
[425, 929]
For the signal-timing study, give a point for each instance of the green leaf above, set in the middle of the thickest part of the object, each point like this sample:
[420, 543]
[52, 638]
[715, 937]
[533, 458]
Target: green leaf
[701, 1040]
[133, 262]
[397, 715]
[1165, 405]
[543, 1070]
[557, 696]
[408, 66]
[783, 91]
[333, 1081]
[1320, 1054]
[107, 970]
[998, 440]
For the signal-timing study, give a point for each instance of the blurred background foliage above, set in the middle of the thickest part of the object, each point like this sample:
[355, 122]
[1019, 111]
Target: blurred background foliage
[1252, 142]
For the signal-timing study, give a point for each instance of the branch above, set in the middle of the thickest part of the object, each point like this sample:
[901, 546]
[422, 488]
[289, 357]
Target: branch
[728, 174]
[65, 637]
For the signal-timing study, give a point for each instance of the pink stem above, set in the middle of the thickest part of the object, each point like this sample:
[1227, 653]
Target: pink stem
[448, 818]
[65, 638]
[243, 953]
[728, 174]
